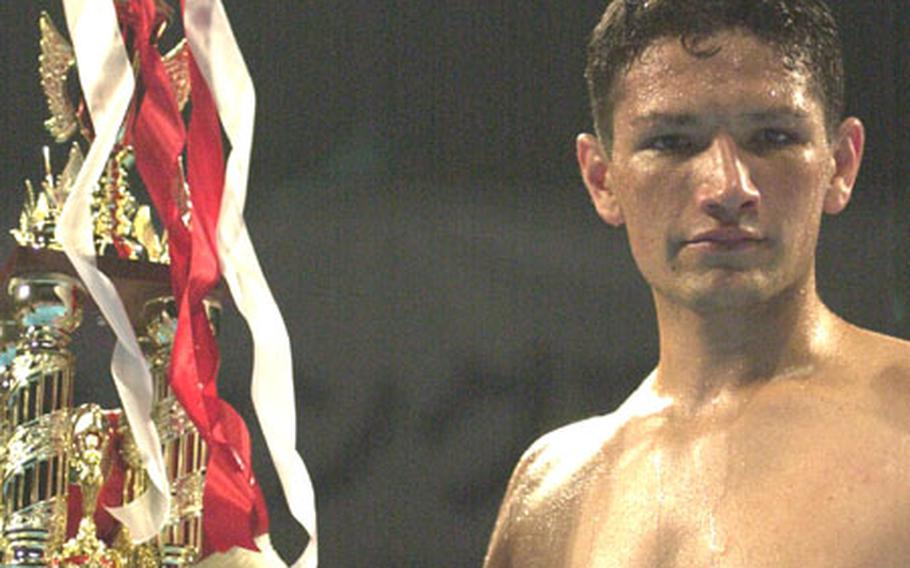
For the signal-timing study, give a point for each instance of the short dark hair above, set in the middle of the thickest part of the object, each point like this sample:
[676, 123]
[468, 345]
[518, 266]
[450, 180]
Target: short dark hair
[803, 31]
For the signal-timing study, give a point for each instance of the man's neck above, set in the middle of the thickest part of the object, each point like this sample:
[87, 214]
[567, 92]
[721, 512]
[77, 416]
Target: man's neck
[712, 356]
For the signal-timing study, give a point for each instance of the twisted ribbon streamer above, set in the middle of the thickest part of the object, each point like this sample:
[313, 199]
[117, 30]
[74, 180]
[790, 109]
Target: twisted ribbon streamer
[107, 83]
[220, 62]
[234, 511]
[218, 224]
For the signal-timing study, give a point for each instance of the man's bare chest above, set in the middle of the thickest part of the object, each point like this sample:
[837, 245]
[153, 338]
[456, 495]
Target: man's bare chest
[831, 493]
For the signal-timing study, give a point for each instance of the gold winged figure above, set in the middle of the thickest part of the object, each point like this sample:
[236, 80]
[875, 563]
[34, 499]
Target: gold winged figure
[58, 58]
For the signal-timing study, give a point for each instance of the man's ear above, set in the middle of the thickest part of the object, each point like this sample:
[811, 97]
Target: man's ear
[593, 164]
[848, 155]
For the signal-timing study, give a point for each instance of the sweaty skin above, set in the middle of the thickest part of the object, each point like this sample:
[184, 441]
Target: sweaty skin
[772, 433]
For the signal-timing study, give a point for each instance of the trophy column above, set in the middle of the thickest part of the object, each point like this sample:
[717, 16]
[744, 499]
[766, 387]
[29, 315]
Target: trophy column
[9, 335]
[184, 451]
[36, 416]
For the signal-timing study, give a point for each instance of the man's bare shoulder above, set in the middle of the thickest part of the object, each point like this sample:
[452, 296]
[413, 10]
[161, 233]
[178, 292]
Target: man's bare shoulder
[561, 456]
[869, 362]
[881, 347]
[880, 376]
[568, 456]
[538, 503]
[553, 476]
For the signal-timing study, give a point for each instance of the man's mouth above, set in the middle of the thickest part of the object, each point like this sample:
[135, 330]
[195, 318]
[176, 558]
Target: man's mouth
[724, 238]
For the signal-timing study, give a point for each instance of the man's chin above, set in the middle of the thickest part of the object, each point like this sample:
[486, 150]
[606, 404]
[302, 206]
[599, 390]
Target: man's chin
[717, 292]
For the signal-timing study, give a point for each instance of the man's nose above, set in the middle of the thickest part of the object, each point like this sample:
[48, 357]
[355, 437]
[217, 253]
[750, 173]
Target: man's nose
[725, 189]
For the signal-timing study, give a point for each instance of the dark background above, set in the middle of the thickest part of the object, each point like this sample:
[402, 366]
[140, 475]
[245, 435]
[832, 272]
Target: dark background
[449, 292]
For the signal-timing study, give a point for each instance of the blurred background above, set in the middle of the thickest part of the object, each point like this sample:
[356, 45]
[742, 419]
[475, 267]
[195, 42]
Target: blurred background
[449, 291]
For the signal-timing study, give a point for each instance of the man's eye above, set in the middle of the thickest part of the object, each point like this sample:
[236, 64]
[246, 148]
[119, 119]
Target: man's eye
[670, 143]
[771, 137]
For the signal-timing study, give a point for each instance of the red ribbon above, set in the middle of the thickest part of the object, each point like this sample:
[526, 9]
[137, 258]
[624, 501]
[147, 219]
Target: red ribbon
[234, 510]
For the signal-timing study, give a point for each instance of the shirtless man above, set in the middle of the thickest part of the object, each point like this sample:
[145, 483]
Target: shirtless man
[771, 433]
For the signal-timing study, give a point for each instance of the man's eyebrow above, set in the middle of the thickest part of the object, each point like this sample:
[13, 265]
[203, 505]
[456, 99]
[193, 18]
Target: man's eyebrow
[688, 119]
[664, 118]
[776, 113]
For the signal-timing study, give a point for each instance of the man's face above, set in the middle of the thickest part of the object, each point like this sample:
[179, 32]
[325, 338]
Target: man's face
[720, 169]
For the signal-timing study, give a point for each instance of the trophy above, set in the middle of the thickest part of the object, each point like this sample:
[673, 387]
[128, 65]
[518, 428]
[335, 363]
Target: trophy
[62, 465]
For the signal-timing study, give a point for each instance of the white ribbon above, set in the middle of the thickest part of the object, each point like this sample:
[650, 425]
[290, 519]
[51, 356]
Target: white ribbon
[215, 49]
[107, 83]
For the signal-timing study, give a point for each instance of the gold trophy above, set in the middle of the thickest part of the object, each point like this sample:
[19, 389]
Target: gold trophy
[48, 447]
